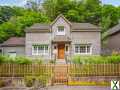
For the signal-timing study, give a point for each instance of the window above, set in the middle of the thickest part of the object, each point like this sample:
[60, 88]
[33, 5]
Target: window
[61, 30]
[40, 50]
[83, 48]
[12, 54]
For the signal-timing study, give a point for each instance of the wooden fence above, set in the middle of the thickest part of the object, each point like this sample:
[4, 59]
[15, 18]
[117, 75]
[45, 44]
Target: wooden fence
[16, 70]
[94, 70]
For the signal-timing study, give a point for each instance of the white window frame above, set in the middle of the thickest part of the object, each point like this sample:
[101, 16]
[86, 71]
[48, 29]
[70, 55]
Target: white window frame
[60, 33]
[12, 54]
[86, 53]
[40, 52]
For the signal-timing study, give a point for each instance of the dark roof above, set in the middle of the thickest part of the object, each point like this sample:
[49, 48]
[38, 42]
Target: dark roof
[38, 27]
[75, 27]
[84, 26]
[14, 41]
[61, 39]
[114, 30]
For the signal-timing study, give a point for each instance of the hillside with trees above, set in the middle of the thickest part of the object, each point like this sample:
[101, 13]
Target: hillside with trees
[13, 20]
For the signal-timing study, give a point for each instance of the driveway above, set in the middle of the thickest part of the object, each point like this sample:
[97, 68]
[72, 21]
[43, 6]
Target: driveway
[79, 88]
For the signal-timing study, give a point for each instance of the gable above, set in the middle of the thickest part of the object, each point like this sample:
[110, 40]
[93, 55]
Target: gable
[61, 21]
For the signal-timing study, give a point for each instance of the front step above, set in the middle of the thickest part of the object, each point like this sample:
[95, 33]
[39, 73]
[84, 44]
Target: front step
[60, 61]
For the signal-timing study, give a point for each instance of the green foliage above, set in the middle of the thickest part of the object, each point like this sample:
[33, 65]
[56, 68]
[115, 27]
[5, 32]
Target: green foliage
[77, 59]
[29, 81]
[52, 61]
[16, 24]
[43, 80]
[2, 58]
[38, 61]
[38, 80]
[16, 60]
[113, 59]
[23, 60]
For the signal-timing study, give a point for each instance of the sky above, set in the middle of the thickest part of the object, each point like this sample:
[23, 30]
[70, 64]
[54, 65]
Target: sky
[22, 2]
[113, 2]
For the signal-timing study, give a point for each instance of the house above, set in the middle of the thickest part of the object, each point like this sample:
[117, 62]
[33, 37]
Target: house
[113, 39]
[14, 46]
[59, 39]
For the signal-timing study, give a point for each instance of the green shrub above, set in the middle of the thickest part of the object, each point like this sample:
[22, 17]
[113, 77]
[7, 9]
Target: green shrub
[113, 59]
[38, 61]
[77, 59]
[52, 61]
[23, 60]
[2, 59]
[43, 80]
[29, 81]
[6, 59]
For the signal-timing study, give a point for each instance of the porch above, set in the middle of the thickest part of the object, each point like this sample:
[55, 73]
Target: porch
[61, 48]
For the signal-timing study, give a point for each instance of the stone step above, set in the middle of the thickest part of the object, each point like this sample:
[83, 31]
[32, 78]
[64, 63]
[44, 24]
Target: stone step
[60, 61]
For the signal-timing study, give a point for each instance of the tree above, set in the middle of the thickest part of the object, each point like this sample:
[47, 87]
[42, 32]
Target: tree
[7, 12]
[110, 17]
[16, 25]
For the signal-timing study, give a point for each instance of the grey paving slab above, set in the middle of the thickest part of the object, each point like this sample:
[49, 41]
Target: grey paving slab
[78, 88]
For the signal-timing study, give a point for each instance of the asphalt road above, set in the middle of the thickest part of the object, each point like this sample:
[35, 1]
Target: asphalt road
[78, 88]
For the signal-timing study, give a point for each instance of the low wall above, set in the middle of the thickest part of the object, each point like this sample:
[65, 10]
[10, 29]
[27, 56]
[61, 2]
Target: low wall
[92, 80]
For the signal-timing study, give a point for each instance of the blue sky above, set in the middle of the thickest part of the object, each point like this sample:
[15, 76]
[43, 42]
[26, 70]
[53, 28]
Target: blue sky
[13, 2]
[22, 2]
[113, 2]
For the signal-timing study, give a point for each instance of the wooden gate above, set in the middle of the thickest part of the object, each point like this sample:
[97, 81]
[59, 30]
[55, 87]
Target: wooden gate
[60, 75]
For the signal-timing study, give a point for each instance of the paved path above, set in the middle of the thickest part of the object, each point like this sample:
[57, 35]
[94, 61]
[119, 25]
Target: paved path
[79, 88]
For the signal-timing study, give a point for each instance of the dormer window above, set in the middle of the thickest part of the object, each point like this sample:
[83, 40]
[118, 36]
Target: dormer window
[61, 30]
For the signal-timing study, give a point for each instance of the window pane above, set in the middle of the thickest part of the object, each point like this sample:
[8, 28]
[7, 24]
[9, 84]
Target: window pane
[60, 28]
[46, 49]
[35, 49]
[82, 48]
[12, 54]
[42, 49]
[77, 49]
[88, 49]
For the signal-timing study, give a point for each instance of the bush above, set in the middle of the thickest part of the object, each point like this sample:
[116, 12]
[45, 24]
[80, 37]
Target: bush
[52, 61]
[113, 59]
[38, 61]
[77, 59]
[29, 81]
[41, 80]
[2, 59]
[23, 60]
[6, 59]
